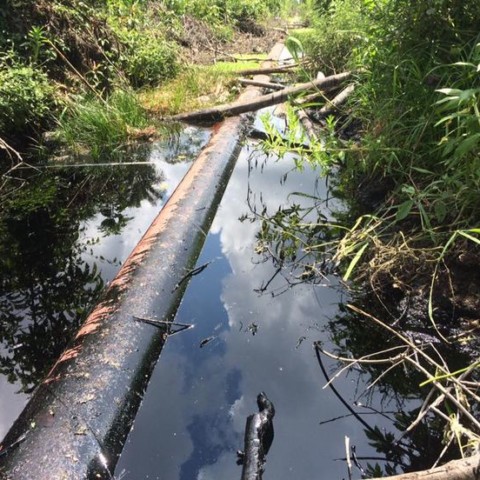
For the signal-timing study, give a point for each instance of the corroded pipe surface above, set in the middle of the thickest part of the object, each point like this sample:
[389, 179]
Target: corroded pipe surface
[76, 423]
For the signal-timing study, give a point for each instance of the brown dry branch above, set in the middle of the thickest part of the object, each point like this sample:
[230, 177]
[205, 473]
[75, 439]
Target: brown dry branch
[451, 386]
[463, 469]
[256, 83]
[438, 368]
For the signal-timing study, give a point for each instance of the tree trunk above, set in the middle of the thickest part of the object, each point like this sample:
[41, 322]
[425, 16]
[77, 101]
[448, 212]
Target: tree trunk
[215, 114]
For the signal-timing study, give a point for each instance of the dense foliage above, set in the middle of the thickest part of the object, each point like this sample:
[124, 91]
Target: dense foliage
[25, 98]
[51, 48]
[416, 107]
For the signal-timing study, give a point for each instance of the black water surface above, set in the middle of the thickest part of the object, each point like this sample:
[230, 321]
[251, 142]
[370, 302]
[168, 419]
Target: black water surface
[193, 417]
[63, 235]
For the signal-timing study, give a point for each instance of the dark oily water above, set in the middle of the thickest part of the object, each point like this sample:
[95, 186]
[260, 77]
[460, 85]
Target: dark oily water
[247, 339]
[64, 235]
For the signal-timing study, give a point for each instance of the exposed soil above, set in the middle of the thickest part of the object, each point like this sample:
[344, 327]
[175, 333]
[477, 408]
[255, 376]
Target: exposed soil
[200, 45]
[399, 291]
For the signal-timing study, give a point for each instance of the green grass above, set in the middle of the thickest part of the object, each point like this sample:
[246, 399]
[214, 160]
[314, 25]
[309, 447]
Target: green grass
[91, 125]
[196, 87]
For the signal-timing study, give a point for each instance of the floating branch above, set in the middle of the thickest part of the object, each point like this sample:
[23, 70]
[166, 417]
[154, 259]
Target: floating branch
[166, 324]
[191, 274]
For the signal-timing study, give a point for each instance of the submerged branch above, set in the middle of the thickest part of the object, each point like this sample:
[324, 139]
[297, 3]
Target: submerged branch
[258, 439]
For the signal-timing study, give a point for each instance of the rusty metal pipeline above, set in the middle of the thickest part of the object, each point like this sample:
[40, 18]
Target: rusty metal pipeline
[77, 421]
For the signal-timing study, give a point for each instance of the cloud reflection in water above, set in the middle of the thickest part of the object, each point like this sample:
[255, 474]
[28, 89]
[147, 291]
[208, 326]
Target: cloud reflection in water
[208, 392]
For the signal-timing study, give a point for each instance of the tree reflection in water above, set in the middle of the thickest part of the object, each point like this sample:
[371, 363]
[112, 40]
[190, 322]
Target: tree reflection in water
[46, 285]
[286, 238]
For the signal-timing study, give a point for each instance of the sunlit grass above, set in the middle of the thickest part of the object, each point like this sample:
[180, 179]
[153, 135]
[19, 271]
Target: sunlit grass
[196, 87]
[100, 127]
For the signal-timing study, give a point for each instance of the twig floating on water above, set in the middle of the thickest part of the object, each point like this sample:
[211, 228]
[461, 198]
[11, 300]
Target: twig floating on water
[165, 323]
[206, 341]
[191, 273]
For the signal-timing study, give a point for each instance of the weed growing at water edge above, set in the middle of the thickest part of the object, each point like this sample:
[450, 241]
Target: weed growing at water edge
[99, 128]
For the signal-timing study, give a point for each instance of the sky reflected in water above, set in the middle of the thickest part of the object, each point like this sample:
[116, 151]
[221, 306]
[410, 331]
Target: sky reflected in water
[93, 249]
[192, 420]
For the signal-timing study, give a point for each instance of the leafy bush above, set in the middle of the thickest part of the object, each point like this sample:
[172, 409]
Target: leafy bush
[335, 35]
[249, 9]
[26, 100]
[219, 12]
[149, 60]
[147, 57]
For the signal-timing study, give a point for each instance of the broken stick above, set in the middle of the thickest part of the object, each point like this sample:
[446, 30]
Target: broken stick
[256, 83]
[258, 439]
[236, 108]
[336, 101]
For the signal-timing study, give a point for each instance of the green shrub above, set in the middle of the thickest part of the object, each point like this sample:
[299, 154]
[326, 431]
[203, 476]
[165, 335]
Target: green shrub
[147, 57]
[249, 9]
[221, 12]
[26, 100]
[149, 60]
[336, 34]
[417, 98]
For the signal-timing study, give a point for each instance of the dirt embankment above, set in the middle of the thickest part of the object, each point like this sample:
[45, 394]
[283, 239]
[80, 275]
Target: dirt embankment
[201, 45]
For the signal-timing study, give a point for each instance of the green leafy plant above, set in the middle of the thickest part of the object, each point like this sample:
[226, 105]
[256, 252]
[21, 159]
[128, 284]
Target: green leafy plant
[149, 61]
[99, 128]
[26, 99]
[37, 42]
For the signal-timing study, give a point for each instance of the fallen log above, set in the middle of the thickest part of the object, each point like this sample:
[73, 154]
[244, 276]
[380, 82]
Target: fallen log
[215, 114]
[463, 469]
[307, 124]
[258, 439]
[256, 83]
[267, 71]
[313, 97]
[336, 101]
